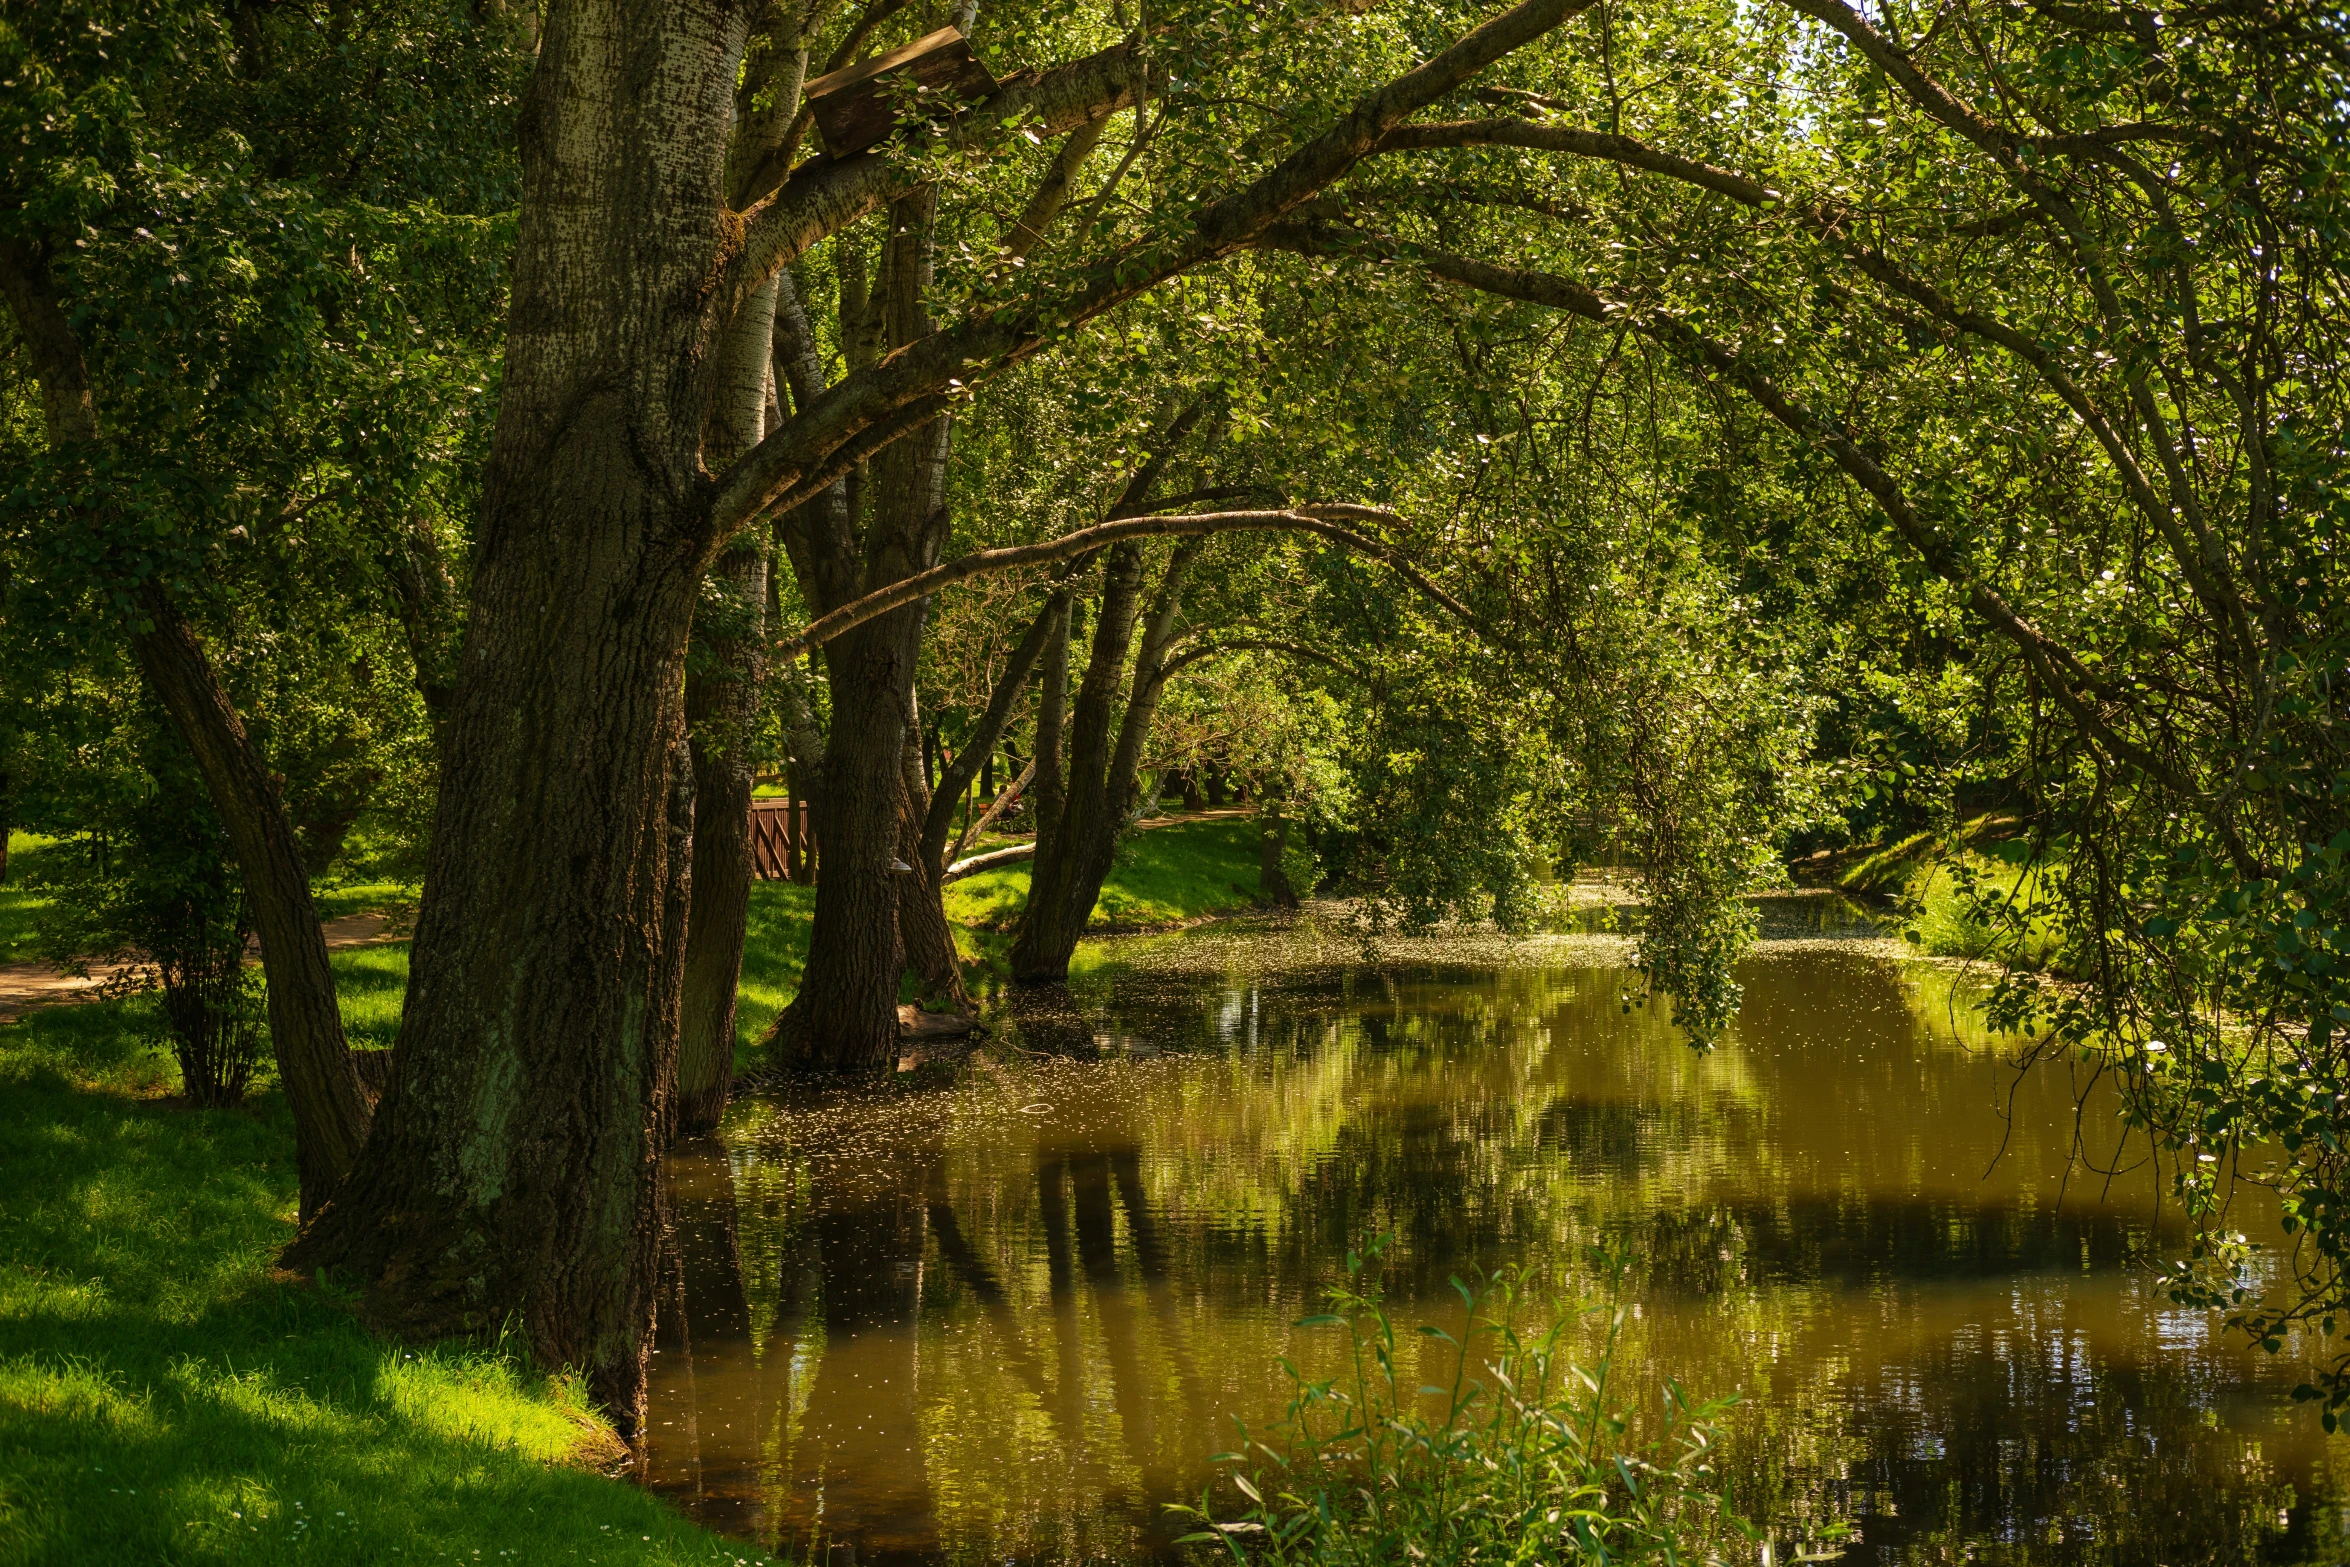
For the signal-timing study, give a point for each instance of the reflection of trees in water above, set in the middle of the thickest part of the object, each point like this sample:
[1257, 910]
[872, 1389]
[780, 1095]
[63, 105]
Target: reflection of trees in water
[1104, 1285]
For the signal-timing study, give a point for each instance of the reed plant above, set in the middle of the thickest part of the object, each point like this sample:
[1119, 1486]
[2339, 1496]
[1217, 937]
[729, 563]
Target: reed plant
[1525, 1454]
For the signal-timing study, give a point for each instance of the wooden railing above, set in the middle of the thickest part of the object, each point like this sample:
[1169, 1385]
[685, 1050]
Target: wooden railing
[783, 841]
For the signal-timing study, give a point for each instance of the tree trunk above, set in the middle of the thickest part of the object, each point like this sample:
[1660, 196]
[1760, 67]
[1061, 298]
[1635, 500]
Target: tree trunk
[1272, 841]
[722, 701]
[922, 918]
[513, 1174]
[721, 705]
[1102, 788]
[844, 1017]
[305, 1026]
[1052, 923]
[314, 1062]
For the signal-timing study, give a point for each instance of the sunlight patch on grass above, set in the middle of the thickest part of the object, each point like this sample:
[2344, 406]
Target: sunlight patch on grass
[1162, 877]
[164, 1397]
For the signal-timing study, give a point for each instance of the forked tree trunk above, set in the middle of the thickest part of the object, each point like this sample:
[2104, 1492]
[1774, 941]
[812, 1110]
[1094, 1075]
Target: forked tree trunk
[844, 1016]
[1069, 870]
[1051, 923]
[514, 1170]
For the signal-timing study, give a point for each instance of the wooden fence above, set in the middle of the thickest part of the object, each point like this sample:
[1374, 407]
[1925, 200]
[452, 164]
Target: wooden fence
[776, 832]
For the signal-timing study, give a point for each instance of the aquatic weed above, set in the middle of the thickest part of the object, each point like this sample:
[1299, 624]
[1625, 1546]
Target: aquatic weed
[1524, 1459]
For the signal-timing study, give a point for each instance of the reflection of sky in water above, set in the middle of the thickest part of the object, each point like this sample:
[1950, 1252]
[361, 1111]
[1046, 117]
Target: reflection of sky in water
[1010, 1316]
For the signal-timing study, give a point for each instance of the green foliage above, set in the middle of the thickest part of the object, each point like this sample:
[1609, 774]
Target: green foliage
[156, 886]
[1525, 1453]
[24, 906]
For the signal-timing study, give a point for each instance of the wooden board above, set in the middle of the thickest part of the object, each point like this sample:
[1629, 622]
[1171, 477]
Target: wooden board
[857, 105]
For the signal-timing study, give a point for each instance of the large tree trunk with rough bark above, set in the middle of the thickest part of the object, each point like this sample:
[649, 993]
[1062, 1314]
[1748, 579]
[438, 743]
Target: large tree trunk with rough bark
[514, 1169]
[844, 1017]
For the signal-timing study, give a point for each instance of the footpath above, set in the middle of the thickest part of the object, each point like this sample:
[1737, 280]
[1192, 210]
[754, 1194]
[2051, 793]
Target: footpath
[24, 986]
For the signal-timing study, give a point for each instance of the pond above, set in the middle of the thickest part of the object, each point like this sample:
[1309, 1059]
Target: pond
[1010, 1315]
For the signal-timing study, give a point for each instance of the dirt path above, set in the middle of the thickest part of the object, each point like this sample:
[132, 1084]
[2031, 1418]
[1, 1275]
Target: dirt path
[24, 986]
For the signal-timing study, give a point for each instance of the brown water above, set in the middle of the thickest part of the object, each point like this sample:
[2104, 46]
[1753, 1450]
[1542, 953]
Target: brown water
[1007, 1316]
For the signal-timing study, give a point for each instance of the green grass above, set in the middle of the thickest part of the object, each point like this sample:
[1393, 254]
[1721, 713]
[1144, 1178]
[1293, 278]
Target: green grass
[335, 899]
[775, 949]
[30, 856]
[164, 1399]
[370, 984]
[1944, 923]
[1166, 876]
[1379, 1465]
[21, 905]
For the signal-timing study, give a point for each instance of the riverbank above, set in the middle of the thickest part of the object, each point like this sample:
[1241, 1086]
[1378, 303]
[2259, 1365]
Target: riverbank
[165, 1397]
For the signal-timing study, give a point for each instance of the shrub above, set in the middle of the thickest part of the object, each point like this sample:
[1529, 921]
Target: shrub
[153, 887]
[1528, 1459]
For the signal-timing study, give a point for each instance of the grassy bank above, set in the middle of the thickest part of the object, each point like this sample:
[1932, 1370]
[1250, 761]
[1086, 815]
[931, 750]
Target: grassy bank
[1927, 876]
[1165, 876]
[164, 1399]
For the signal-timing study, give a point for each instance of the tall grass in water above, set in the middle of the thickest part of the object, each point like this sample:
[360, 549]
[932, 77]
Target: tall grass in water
[1524, 1456]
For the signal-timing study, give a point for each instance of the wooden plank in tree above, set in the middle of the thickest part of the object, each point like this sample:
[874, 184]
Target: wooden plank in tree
[857, 105]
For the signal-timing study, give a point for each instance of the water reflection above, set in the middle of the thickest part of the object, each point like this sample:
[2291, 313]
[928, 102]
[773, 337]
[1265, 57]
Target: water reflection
[1010, 1317]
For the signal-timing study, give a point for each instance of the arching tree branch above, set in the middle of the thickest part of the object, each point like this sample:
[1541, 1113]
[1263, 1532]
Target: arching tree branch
[1304, 519]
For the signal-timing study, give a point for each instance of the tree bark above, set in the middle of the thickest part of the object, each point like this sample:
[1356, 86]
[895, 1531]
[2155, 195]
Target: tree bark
[844, 1016]
[1068, 875]
[1051, 924]
[1272, 841]
[922, 920]
[721, 702]
[314, 1062]
[513, 1173]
